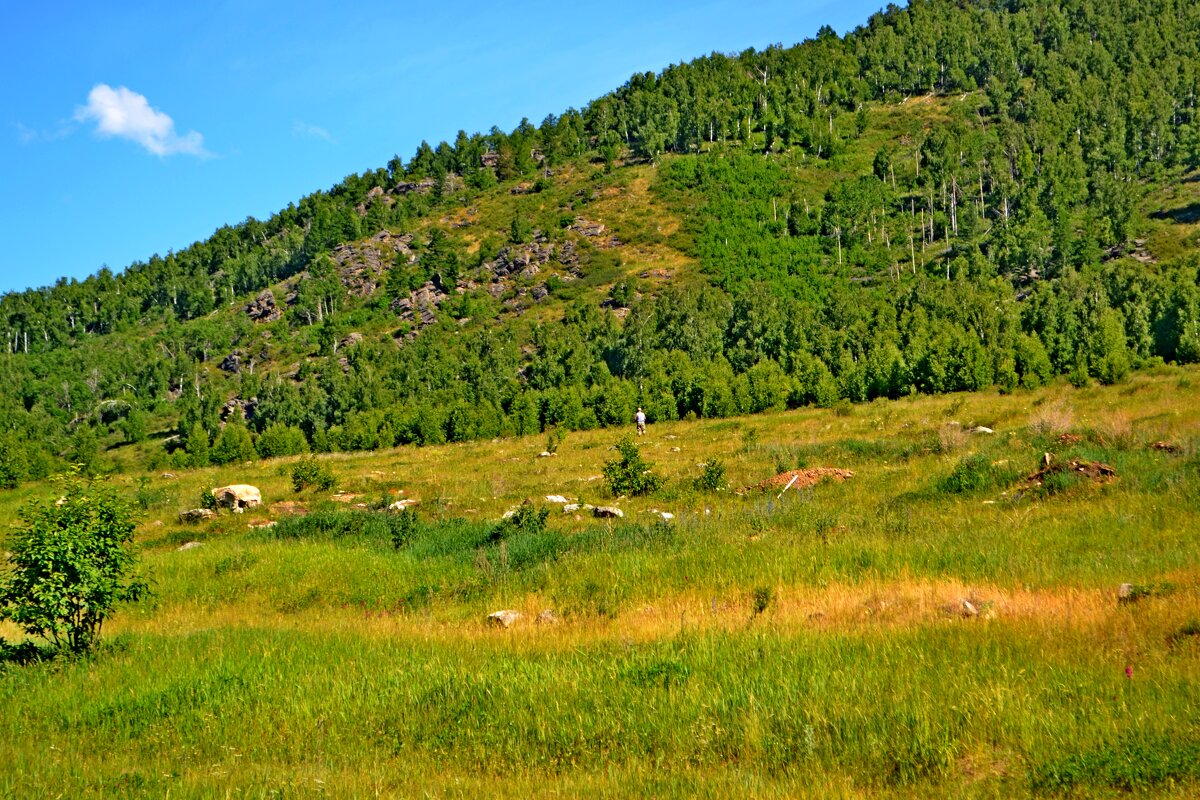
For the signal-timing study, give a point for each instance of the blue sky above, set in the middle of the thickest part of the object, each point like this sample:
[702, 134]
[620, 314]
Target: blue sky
[138, 127]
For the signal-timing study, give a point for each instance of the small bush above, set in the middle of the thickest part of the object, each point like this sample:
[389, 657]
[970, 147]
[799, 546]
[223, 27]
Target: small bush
[712, 477]
[404, 529]
[843, 408]
[762, 597]
[974, 473]
[147, 496]
[629, 474]
[309, 471]
[528, 518]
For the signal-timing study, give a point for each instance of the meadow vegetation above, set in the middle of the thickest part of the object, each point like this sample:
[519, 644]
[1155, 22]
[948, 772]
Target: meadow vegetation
[937, 624]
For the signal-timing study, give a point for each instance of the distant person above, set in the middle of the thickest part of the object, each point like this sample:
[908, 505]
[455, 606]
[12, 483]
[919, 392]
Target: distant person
[640, 419]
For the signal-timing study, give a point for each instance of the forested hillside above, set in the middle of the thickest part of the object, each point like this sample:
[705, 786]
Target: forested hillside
[954, 196]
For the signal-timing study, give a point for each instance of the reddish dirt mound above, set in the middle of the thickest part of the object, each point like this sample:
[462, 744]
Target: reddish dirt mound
[1094, 471]
[803, 478]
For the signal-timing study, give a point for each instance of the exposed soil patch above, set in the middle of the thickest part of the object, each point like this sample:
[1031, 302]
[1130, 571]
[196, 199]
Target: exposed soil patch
[803, 478]
[1094, 471]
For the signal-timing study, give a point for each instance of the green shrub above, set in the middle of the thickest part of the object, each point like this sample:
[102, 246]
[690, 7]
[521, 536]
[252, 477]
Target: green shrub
[712, 476]
[147, 496]
[528, 518]
[629, 473]
[404, 528]
[309, 471]
[762, 597]
[974, 473]
[71, 563]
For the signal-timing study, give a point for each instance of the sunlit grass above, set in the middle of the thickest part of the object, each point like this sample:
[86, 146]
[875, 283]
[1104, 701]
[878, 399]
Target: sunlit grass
[815, 643]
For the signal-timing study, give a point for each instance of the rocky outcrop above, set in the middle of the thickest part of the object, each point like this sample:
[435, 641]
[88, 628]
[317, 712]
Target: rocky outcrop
[420, 307]
[263, 308]
[361, 265]
[196, 515]
[232, 363]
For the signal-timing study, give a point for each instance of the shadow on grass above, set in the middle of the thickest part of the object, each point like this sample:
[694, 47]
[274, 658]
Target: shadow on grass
[1185, 215]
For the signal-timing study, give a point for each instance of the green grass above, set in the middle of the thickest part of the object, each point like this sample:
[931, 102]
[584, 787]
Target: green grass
[812, 643]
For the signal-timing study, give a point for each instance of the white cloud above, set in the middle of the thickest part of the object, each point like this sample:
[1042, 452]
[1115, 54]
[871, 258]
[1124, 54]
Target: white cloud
[125, 113]
[316, 132]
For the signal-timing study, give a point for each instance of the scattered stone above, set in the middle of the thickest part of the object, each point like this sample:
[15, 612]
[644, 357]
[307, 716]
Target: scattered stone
[968, 608]
[237, 497]
[1125, 593]
[1167, 447]
[261, 523]
[674, 449]
[546, 454]
[557, 498]
[608, 512]
[1069, 438]
[665, 516]
[170, 476]
[571, 508]
[980, 429]
[196, 515]
[547, 617]
[189, 545]
[400, 505]
[503, 619]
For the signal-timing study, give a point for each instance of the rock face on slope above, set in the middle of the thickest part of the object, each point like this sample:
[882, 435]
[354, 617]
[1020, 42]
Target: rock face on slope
[263, 308]
[361, 265]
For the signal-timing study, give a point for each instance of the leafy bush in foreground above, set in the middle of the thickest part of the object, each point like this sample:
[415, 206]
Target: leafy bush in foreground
[71, 564]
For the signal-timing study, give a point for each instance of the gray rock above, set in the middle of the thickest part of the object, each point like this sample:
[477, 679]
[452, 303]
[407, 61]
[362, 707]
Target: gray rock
[608, 512]
[190, 545]
[196, 515]
[968, 608]
[547, 617]
[503, 619]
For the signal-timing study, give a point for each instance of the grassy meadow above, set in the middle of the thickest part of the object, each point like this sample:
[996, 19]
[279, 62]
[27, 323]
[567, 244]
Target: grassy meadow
[938, 624]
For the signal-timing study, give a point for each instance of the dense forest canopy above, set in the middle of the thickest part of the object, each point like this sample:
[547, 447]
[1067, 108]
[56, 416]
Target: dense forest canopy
[947, 198]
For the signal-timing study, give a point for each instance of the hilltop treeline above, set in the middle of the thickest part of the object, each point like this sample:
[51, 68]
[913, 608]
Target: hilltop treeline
[989, 246]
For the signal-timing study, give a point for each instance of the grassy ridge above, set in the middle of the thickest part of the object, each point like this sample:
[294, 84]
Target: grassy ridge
[814, 644]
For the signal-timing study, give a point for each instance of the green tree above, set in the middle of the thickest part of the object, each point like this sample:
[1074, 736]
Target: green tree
[72, 561]
[197, 446]
[233, 445]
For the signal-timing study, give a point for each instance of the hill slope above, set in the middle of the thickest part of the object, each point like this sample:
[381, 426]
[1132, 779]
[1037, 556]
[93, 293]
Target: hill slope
[953, 196]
